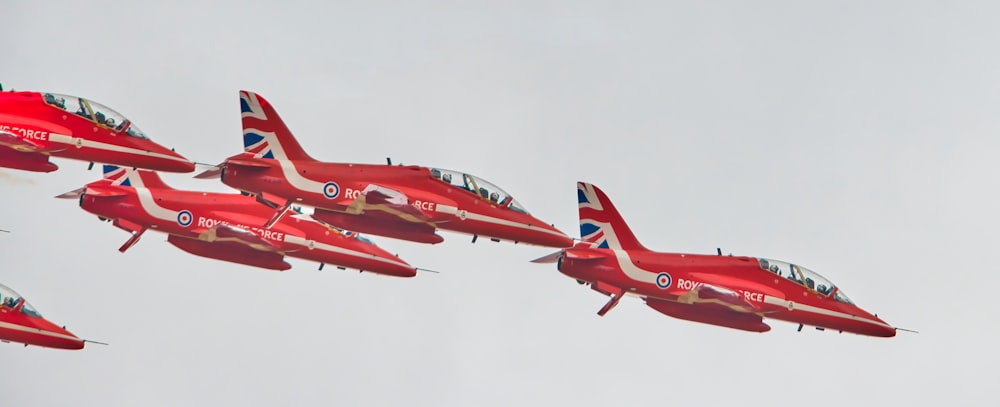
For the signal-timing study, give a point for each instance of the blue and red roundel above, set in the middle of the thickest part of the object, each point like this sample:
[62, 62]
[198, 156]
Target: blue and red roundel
[663, 280]
[184, 218]
[331, 190]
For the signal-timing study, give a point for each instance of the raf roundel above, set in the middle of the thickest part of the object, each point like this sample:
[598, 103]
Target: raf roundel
[663, 280]
[331, 190]
[184, 218]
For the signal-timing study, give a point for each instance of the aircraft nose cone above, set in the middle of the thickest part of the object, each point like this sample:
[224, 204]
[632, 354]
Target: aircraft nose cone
[886, 331]
[178, 164]
[550, 237]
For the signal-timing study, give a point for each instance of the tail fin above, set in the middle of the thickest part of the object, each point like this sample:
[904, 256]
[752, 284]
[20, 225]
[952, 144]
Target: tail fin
[264, 133]
[600, 223]
[131, 177]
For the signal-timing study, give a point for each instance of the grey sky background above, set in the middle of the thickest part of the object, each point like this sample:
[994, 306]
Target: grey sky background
[857, 139]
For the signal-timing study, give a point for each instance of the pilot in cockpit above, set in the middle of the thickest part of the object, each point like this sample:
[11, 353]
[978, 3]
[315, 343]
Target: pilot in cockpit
[446, 177]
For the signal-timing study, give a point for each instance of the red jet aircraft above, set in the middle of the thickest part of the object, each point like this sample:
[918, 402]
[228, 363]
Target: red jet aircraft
[223, 226]
[35, 126]
[20, 322]
[734, 292]
[407, 203]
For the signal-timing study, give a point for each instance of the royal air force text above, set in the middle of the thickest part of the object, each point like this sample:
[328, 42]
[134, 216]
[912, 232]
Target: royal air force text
[692, 285]
[265, 234]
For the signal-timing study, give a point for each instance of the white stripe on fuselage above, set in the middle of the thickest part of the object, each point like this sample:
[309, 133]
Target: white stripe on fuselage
[312, 244]
[81, 142]
[287, 166]
[16, 327]
[451, 210]
[796, 306]
[306, 185]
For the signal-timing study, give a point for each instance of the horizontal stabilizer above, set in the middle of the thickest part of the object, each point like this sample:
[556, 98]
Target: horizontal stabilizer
[211, 173]
[584, 254]
[549, 258]
[74, 194]
[104, 191]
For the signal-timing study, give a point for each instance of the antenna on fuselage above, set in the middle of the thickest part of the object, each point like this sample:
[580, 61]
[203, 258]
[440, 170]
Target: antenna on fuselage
[388, 160]
[718, 250]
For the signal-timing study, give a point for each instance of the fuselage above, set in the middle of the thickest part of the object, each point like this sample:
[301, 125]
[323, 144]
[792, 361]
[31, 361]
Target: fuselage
[19, 326]
[190, 215]
[642, 273]
[48, 126]
[335, 187]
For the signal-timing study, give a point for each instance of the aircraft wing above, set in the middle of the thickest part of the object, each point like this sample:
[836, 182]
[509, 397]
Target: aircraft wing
[713, 294]
[12, 141]
[377, 197]
[226, 233]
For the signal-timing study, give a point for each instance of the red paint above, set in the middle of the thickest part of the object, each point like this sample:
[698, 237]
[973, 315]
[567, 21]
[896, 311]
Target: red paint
[227, 226]
[35, 126]
[22, 324]
[403, 202]
[734, 292]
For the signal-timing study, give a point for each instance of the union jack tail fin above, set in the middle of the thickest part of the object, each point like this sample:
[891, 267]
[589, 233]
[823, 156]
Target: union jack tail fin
[600, 223]
[264, 133]
[131, 177]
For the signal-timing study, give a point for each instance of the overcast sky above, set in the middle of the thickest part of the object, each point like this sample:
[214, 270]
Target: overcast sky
[856, 138]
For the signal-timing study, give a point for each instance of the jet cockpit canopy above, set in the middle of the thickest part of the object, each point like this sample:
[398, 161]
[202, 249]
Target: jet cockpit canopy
[101, 115]
[805, 277]
[480, 187]
[10, 299]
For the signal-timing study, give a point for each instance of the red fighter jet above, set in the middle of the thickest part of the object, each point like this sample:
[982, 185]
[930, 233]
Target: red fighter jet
[408, 203]
[21, 323]
[35, 126]
[734, 292]
[224, 226]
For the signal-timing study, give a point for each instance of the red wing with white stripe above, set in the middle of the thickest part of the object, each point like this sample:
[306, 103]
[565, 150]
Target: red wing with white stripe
[391, 201]
[16, 143]
[226, 233]
[22, 154]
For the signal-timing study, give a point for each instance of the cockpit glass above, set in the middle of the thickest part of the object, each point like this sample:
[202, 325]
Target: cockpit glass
[482, 188]
[840, 296]
[10, 298]
[134, 131]
[109, 118]
[71, 104]
[30, 311]
[800, 275]
[93, 111]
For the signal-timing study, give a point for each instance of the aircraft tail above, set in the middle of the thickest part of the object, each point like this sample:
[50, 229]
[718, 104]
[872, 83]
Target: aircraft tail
[600, 223]
[264, 133]
[131, 177]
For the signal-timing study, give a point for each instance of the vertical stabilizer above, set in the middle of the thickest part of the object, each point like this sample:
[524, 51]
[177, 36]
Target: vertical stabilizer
[264, 133]
[600, 223]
